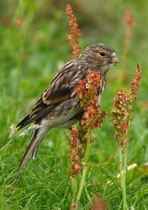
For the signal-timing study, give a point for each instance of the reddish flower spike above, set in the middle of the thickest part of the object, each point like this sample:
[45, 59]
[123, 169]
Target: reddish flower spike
[135, 85]
[87, 94]
[121, 102]
[74, 32]
[72, 206]
[19, 22]
[74, 152]
[128, 19]
[119, 115]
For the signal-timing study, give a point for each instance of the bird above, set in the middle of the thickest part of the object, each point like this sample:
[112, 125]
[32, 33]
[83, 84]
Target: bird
[58, 107]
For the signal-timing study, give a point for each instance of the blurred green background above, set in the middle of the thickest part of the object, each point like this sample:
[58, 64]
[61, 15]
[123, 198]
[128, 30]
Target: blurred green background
[30, 55]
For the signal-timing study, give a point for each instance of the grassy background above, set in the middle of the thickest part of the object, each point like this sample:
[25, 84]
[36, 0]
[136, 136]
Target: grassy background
[31, 54]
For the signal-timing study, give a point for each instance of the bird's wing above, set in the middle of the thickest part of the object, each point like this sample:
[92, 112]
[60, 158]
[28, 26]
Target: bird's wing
[60, 89]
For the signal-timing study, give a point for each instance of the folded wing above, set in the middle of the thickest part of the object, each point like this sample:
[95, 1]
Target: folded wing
[61, 88]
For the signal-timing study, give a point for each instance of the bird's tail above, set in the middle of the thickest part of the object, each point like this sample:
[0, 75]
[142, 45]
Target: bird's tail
[35, 151]
[36, 138]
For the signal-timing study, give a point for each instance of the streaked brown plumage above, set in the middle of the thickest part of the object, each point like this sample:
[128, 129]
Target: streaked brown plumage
[57, 106]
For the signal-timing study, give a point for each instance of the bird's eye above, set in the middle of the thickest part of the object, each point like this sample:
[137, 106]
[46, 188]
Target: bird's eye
[102, 53]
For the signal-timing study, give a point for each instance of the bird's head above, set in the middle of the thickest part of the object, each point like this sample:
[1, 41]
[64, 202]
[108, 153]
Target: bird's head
[99, 57]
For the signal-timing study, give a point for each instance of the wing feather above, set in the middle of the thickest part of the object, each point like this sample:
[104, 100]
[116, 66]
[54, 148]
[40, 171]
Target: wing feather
[60, 89]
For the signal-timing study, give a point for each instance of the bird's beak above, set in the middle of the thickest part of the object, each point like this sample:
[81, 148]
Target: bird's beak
[115, 60]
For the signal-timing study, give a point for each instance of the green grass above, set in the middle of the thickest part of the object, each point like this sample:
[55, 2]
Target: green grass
[29, 59]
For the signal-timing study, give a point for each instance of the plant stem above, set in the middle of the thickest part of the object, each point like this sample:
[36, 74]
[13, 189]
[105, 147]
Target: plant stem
[120, 163]
[85, 168]
[124, 189]
[128, 137]
[125, 53]
[20, 33]
[74, 187]
[125, 163]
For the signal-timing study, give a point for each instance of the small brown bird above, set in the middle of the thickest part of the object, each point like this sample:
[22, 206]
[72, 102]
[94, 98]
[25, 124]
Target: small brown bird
[57, 106]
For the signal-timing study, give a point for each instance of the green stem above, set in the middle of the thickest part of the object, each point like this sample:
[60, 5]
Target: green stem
[120, 163]
[124, 58]
[85, 169]
[125, 207]
[18, 75]
[124, 189]
[74, 187]
[128, 137]
[20, 35]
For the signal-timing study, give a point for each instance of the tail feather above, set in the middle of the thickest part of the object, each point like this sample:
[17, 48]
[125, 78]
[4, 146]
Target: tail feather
[35, 152]
[36, 138]
[23, 123]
